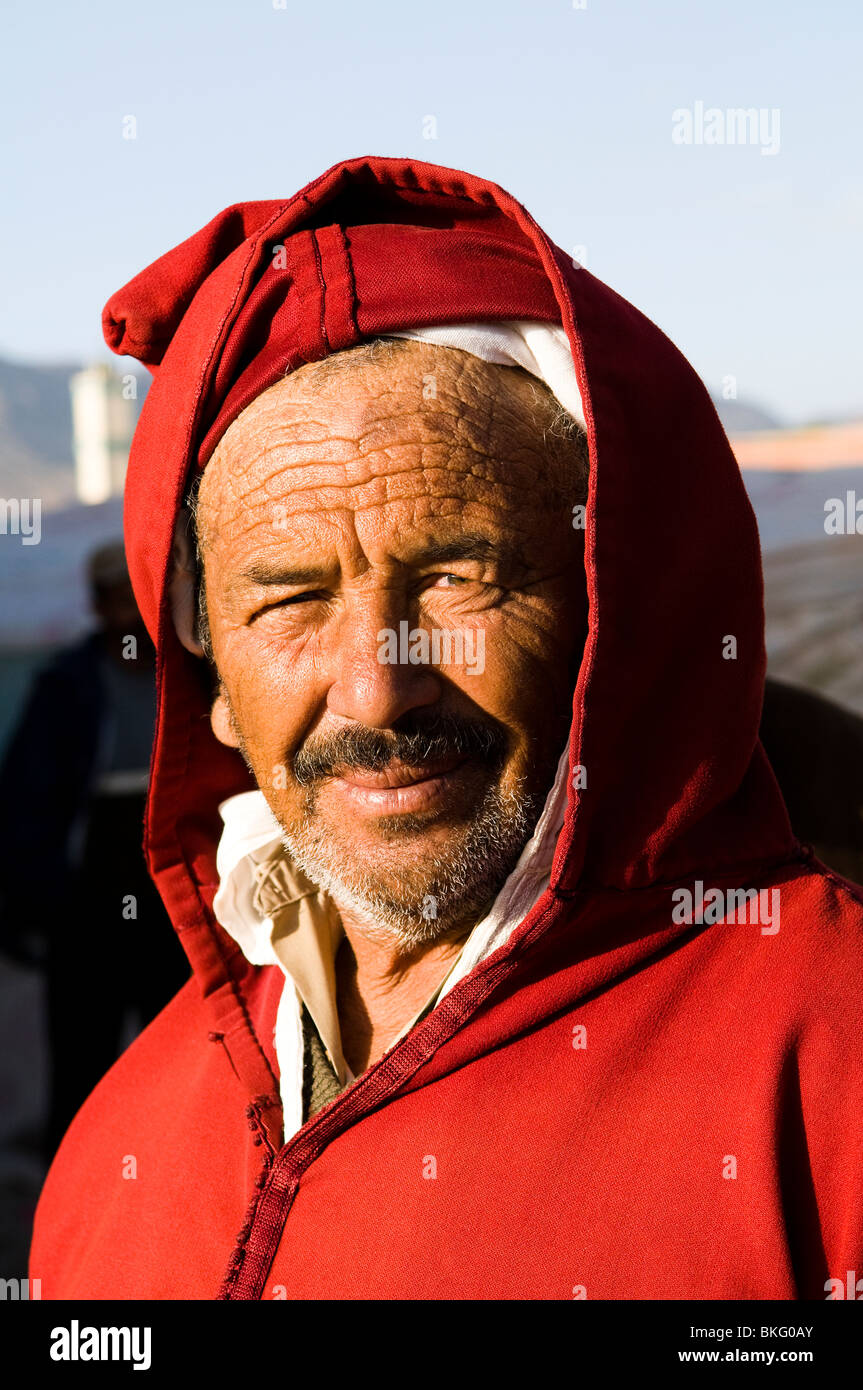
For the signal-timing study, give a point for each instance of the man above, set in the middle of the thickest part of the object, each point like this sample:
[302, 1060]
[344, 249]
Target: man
[511, 979]
[72, 790]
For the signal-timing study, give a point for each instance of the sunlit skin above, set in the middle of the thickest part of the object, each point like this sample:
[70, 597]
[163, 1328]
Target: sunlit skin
[336, 508]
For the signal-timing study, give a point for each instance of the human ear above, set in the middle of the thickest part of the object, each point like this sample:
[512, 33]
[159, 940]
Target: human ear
[222, 722]
[182, 585]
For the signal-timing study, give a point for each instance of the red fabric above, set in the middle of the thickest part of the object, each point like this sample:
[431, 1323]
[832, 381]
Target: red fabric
[557, 1168]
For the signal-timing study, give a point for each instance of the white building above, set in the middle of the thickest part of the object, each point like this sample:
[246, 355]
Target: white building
[103, 420]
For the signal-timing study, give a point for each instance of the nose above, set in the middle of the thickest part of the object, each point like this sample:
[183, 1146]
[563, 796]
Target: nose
[372, 682]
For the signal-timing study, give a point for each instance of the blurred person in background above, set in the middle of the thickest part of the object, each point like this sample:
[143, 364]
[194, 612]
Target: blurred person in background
[75, 894]
[815, 747]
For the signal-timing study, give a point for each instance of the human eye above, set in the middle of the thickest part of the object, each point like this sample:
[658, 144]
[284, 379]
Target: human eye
[304, 597]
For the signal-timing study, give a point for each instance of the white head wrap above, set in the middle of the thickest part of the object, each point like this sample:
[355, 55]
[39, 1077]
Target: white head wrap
[541, 348]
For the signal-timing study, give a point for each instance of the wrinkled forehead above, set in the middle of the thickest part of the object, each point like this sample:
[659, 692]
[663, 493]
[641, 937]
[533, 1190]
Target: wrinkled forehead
[381, 423]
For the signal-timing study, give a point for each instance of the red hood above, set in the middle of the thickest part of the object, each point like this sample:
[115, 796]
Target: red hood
[677, 783]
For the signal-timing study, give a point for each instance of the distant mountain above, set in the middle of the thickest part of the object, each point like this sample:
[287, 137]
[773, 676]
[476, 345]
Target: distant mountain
[36, 457]
[742, 417]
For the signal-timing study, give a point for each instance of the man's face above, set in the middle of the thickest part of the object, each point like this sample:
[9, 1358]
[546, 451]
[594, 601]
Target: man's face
[395, 595]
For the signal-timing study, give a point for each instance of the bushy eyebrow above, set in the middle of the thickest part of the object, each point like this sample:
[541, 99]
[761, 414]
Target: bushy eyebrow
[269, 575]
[468, 546]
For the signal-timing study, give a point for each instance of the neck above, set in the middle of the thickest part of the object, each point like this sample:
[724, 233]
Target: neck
[382, 984]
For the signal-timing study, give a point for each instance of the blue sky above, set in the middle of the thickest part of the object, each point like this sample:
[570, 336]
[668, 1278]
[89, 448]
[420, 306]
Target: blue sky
[749, 261]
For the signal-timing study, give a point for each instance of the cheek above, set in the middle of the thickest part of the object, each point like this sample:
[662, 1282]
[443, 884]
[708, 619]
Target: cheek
[530, 646]
[521, 671]
[275, 690]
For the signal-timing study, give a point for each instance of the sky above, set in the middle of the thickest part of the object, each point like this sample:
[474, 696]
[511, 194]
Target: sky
[746, 254]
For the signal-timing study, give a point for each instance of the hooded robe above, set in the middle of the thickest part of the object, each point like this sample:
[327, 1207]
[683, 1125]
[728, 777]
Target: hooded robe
[618, 1103]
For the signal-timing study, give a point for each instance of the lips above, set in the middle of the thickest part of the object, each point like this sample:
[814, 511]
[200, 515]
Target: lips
[399, 788]
[397, 774]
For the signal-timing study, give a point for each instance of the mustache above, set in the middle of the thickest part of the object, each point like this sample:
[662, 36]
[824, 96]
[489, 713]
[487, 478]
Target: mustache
[415, 743]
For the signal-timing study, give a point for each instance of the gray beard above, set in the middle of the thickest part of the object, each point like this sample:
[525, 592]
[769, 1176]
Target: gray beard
[442, 892]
